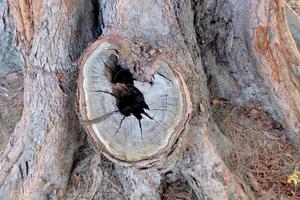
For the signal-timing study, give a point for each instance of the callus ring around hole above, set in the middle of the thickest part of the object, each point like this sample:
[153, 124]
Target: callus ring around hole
[131, 122]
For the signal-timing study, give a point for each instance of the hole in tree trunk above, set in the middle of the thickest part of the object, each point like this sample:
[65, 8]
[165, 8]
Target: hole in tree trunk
[131, 121]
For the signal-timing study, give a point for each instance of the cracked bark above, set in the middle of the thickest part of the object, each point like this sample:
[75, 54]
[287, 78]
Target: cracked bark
[10, 58]
[36, 162]
[241, 47]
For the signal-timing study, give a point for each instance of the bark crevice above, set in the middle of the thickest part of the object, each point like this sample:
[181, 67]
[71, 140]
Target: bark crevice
[97, 18]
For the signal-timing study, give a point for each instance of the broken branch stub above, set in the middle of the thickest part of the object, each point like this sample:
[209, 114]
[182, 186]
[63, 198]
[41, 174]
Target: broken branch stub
[130, 121]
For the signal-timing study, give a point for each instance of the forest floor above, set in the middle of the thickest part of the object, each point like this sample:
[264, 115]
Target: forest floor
[262, 157]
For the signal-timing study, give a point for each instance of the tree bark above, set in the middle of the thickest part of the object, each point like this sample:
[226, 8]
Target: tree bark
[260, 61]
[10, 58]
[240, 51]
[293, 20]
[39, 156]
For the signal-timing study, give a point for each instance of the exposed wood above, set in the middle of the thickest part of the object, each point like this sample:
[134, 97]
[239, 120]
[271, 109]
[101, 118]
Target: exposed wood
[123, 138]
[157, 35]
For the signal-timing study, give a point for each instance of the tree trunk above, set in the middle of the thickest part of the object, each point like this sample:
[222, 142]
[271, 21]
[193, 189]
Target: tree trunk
[293, 21]
[37, 161]
[237, 53]
[10, 58]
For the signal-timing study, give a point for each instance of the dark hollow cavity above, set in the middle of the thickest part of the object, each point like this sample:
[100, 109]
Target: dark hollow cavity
[129, 99]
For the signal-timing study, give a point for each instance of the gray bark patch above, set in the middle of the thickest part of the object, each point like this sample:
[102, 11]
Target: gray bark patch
[10, 57]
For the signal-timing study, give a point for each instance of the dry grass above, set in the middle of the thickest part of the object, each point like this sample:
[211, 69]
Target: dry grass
[178, 189]
[263, 158]
[92, 178]
[262, 161]
[84, 180]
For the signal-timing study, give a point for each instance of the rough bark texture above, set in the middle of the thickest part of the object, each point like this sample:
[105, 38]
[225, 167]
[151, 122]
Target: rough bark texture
[39, 156]
[293, 20]
[10, 57]
[237, 50]
[254, 59]
[11, 105]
